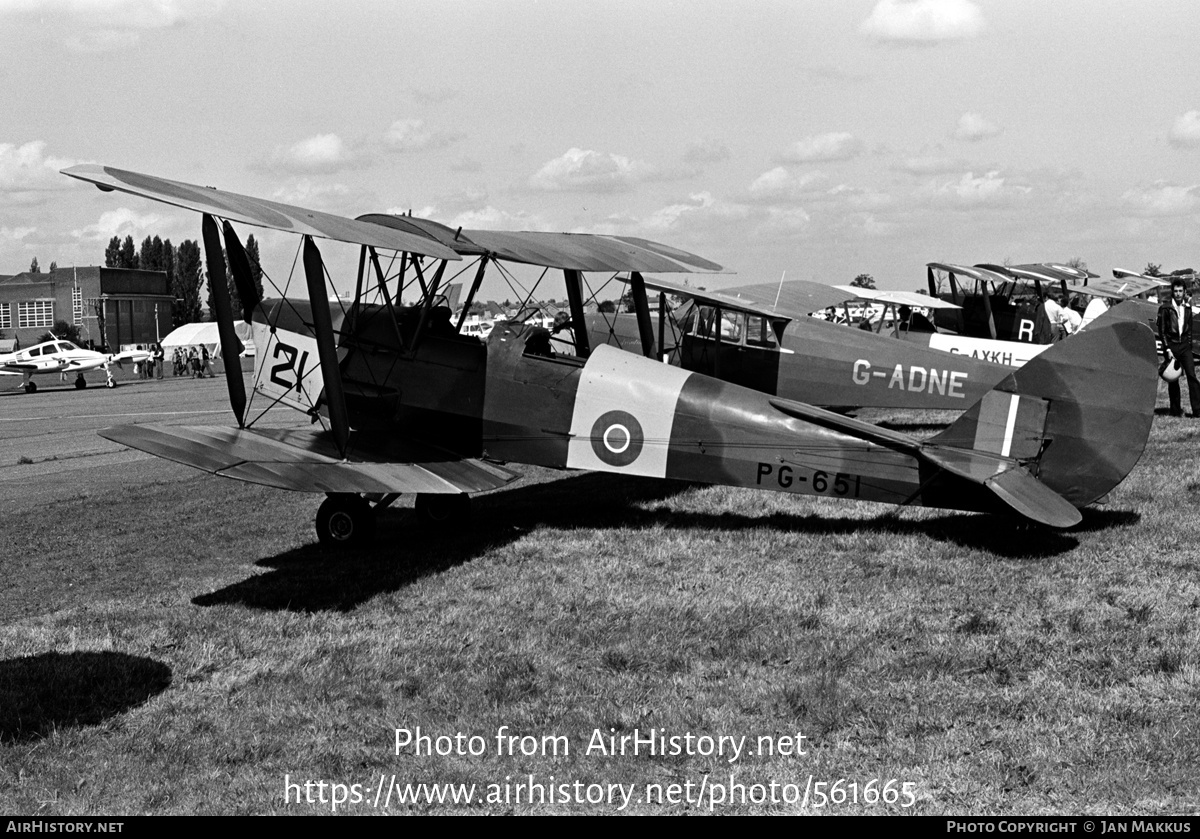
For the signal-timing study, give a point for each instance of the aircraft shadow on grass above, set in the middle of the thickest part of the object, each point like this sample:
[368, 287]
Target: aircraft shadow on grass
[48, 691]
[313, 578]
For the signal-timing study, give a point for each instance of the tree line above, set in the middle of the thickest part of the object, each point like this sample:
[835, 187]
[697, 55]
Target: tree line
[184, 267]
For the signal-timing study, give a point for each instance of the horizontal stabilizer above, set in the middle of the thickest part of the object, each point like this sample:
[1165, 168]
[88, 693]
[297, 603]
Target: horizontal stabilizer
[1003, 476]
[307, 461]
[1011, 483]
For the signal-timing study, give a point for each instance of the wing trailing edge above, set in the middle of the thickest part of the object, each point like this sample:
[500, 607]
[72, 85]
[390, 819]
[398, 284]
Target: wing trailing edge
[307, 461]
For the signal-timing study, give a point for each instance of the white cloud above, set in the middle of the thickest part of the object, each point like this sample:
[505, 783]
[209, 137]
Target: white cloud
[788, 219]
[27, 168]
[701, 207]
[589, 171]
[105, 25]
[320, 153]
[923, 21]
[859, 197]
[15, 235]
[782, 184]
[972, 128]
[988, 189]
[1186, 130]
[408, 135]
[824, 147]
[121, 222]
[314, 194]
[1164, 199]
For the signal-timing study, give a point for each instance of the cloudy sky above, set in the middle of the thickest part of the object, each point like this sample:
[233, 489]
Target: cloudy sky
[821, 138]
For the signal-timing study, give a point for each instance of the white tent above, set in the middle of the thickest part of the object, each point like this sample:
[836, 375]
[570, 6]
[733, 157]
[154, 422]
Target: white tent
[195, 334]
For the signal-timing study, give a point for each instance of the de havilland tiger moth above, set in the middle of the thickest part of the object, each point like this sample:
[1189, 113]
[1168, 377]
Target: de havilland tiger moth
[408, 404]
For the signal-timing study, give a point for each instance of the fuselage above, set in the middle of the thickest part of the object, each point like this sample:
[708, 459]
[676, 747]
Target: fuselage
[512, 399]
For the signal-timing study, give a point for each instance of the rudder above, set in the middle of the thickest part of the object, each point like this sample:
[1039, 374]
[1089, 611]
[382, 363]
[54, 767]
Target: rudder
[1077, 416]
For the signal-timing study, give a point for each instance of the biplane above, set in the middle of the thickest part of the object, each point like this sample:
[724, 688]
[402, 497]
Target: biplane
[407, 404]
[761, 337]
[62, 357]
[1001, 302]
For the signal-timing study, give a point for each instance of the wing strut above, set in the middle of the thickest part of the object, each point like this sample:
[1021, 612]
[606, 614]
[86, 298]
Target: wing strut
[578, 323]
[230, 345]
[335, 397]
[239, 266]
[645, 328]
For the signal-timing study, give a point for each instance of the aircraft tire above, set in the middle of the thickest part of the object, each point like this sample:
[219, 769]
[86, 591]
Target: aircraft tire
[110, 383]
[443, 510]
[31, 387]
[80, 383]
[345, 521]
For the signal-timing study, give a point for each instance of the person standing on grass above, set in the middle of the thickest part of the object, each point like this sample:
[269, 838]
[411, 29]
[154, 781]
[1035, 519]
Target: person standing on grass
[1175, 332]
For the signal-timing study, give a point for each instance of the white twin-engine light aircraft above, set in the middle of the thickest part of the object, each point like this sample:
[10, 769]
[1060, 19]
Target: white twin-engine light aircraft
[59, 356]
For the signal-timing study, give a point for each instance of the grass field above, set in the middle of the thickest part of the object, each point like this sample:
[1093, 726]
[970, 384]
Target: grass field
[177, 643]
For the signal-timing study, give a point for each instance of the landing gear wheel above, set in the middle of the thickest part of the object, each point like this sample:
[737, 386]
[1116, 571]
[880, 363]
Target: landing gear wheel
[443, 510]
[110, 383]
[346, 521]
[31, 387]
[80, 382]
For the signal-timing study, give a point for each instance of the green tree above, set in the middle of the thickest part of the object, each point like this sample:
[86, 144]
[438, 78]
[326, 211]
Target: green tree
[112, 254]
[128, 255]
[863, 281]
[256, 271]
[1153, 270]
[63, 330]
[53, 266]
[34, 268]
[186, 282]
[150, 257]
[168, 261]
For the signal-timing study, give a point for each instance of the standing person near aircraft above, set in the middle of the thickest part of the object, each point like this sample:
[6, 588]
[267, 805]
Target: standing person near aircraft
[1065, 321]
[1175, 332]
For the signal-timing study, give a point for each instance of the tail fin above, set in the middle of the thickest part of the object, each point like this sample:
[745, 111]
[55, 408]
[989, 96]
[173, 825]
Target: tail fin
[1077, 416]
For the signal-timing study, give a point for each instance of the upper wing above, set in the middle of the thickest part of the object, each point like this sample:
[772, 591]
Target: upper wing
[726, 300]
[258, 211]
[307, 461]
[1117, 288]
[902, 298]
[570, 251]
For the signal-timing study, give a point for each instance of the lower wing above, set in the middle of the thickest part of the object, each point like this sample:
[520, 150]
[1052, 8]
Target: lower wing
[307, 461]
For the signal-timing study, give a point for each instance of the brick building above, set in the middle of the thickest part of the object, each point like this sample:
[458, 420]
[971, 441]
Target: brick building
[112, 307]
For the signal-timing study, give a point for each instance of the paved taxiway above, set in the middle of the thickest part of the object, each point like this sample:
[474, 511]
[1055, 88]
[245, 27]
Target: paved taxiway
[48, 439]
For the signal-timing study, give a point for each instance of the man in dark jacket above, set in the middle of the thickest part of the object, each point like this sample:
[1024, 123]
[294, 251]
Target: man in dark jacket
[1175, 332]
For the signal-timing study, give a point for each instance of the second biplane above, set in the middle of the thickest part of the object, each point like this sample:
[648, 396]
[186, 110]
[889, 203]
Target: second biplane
[408, 404]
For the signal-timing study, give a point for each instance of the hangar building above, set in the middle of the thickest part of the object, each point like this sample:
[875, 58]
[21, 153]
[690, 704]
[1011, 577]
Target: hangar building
[112, 307]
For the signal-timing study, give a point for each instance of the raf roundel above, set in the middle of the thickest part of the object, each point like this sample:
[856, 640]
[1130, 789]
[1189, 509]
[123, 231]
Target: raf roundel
[617, 438]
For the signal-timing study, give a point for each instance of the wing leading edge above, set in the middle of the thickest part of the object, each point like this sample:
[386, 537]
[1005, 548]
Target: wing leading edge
[306, 461]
